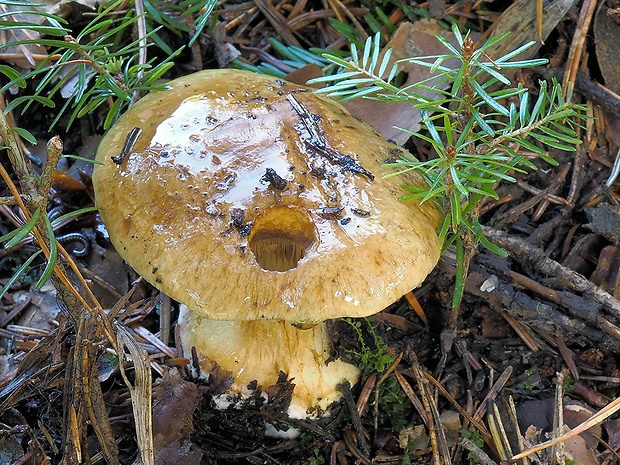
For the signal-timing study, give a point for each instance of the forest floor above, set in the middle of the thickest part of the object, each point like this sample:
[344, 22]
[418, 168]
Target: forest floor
[534, 353]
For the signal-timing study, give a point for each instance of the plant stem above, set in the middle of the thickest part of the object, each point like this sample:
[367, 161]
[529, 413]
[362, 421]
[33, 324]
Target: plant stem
[18, 161]
[469, 250]
[468, 242]
[94, 63]
[54, 153]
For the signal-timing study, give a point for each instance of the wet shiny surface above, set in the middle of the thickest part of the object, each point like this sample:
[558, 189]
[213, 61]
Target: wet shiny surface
[219, 150]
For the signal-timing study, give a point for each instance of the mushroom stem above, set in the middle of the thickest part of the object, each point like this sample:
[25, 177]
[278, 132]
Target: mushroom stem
[260, 350]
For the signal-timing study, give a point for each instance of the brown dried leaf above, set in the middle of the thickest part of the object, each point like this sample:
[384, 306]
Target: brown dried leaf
[539, 414]
[607, 34]
[43, 309]
[174, 402]
[613, 433]
[576, 413]
[575, 449]
[304, 74]
[108, 266]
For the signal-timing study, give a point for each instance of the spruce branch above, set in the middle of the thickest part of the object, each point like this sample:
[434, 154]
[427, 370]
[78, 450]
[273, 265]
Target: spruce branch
[477, 129]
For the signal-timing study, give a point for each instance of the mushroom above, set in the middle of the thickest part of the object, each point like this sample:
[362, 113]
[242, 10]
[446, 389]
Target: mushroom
[261, 205]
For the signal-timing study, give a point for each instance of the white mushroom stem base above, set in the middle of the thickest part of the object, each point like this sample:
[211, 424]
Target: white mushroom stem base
[259, 350]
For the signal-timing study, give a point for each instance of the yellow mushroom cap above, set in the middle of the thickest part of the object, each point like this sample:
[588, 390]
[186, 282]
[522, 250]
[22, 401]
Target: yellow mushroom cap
[246, 197]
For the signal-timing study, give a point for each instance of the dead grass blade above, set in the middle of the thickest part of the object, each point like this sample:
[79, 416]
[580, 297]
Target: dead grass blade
[512, 413]
[522, 331]
[277, 20]
[140, 394]
[558, 416]
[576, 47]
[436, 431]
[417, 403]
[84, 399]
[34, 367]
[476, 423]
[98, 416]
[498, 432]
[364, 397]
[493, 393]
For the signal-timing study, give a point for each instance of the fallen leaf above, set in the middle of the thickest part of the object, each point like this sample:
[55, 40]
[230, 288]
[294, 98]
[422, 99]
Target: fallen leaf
[575, 449]
[576, 413]
[304, 74]
[42, 310]
[174, 403]
[451, 421]
[64, 182]
[607, 35]
[613, 433]
[108, 266]
[10, 450]
[538, 415]
[437, 8]
[413, 438]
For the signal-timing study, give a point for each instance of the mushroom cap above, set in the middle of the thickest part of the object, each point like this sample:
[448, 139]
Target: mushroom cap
[247, 197]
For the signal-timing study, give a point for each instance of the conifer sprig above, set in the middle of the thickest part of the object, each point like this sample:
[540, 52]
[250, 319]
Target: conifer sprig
[479, 127]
